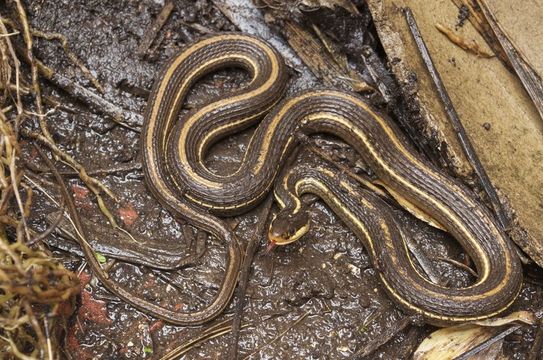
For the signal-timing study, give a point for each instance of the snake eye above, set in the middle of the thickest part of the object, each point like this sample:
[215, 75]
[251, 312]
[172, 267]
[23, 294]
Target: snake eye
[293, 232]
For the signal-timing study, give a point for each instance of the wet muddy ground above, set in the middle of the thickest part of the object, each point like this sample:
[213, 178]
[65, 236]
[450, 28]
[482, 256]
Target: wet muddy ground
[323, 289]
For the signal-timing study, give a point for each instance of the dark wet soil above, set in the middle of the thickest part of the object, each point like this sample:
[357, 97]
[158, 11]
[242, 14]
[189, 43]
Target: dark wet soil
[326, 280]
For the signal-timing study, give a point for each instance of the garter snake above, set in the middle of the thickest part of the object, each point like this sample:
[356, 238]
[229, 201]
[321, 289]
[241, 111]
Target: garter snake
[175, 171]
[268, 79]
[370, 218]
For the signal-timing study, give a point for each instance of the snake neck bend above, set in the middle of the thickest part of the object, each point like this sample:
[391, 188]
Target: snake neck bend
[371, 220]
[200, 129]
[212, 121]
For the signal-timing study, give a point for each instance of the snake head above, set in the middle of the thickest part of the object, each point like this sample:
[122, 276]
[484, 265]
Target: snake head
[288, 227]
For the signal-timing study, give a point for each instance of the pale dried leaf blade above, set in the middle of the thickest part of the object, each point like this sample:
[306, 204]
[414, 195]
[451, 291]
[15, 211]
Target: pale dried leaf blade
[412, 208]
[451, 342]
[525, 317]
[346, 4]
[468, 45]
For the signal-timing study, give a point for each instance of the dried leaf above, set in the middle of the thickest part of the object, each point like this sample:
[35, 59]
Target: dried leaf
[323, 58]
[525, 317]
[93, 310]
[449, 343]
[468, 45]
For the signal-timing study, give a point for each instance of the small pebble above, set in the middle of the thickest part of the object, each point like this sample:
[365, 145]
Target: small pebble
[355, 270]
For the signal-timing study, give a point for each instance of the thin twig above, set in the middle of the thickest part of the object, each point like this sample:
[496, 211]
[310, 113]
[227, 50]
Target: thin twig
[93, 184]
[125, 118]
[535, 351]
[16, 65]
[458, 264]
[51, 227]
[280, 335]
[14, 176]
[48, 339]
[69, 53]
[212, 332]
[485, 344]
[250, 251]
[468, 45]
[121, 168]
[154, 28]
[33, 68]
[64, 43]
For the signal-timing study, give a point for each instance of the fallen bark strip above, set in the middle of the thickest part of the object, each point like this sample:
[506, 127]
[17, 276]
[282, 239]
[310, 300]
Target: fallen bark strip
[154, 28]
[454, 119]
[528, 76]
[328, 65]
[248, 18]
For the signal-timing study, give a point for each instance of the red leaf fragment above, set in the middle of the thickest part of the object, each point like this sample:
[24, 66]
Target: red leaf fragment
[128, 214]
[93, 310]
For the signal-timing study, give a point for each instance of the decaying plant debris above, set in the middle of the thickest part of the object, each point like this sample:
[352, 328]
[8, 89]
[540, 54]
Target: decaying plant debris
[74, 80]
[37, 294]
